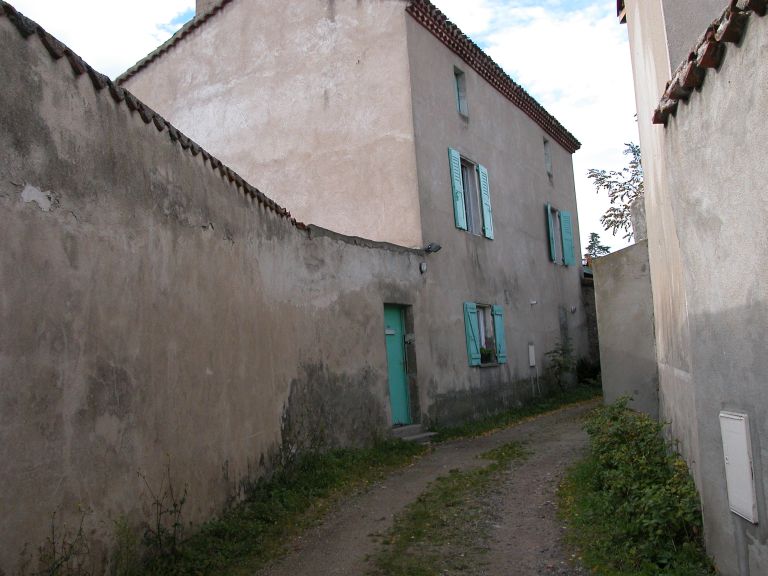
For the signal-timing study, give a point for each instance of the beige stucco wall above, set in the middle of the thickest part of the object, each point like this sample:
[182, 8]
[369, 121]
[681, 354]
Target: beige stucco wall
[513, 269]
[307, 99]
[151, 313]
[625, 324]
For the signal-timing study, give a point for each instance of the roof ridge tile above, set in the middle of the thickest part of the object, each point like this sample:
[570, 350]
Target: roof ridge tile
[708, 52]
[56, 49]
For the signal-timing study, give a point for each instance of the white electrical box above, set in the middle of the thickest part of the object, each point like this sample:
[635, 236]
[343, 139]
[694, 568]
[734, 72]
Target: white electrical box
[531, 355]
[737, 449]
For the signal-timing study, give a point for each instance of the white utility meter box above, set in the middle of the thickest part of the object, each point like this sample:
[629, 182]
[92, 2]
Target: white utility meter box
[531, 355]
[739, 477]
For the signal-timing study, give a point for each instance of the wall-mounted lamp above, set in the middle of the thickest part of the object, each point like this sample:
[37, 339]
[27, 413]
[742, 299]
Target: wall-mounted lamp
[423, 267]
[432, 247]
[533, 302]
[573, 309]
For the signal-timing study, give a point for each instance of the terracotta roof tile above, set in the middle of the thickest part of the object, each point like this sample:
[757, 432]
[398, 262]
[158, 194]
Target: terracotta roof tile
[57, 50]
[709, 52]
[429, 16]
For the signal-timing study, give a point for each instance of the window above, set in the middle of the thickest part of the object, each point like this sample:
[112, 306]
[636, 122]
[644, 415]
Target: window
[548, 159]
[460, 81]
[484, 328]
[560, 231]
[471, 196]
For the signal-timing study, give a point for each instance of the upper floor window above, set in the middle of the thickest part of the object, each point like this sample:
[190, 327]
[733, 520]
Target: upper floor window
[560, 229]
[461, 92]
[548, 158]
[471, 195]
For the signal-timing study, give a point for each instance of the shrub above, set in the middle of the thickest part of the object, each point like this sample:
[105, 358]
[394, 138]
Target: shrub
[639, 509]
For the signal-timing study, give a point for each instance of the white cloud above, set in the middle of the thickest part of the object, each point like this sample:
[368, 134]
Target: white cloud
[109, 35]
[575, 62]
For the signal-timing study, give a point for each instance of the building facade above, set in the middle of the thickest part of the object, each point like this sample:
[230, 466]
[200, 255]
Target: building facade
[381, 119]
[700, 85]
[162, 315]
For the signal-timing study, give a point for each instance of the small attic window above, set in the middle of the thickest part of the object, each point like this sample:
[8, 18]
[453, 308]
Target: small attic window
[461, 92]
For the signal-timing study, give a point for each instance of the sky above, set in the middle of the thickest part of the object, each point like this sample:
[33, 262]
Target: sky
[571, 55]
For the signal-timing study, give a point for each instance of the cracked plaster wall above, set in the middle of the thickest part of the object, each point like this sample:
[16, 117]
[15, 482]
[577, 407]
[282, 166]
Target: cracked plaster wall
[150, 313]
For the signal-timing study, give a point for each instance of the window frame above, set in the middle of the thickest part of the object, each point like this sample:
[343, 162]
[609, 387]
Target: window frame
[460, 89]
[473, 208]
[548, 160]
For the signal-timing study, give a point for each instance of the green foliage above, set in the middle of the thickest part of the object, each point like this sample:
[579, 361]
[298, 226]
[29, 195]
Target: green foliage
[594, 248]
[560, 362]
[126, 556]
[440, 532]
[622, 186]
[506, 418]
[632, 505]
[255, 531]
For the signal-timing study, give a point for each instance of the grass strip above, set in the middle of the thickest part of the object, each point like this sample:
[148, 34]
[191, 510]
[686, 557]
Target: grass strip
[505, 419]
[252, 533]
[443, 531]
[631, 506]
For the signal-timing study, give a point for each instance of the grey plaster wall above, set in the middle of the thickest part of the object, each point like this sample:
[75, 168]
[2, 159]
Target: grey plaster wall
[308, 99]
[717, 183]
[542, 300]
[151, 314]
[706, 231]
[625, 324]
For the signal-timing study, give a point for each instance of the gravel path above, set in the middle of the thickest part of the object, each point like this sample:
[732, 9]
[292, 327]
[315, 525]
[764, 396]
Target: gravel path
[527, 536]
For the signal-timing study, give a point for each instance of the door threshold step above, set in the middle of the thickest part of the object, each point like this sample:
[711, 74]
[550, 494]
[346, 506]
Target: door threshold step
[423, 438]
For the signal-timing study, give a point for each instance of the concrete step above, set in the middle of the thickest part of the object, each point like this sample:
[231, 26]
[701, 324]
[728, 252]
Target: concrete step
[412, 433]
[423, 438]
[403, 431]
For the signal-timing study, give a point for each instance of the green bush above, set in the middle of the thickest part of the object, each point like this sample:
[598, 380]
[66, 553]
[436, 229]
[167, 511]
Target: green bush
[638, 509]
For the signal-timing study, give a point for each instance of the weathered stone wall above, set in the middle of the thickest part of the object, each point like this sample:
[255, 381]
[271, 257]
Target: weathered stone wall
[625, 323]
[153, 313]
[716, 183]
[706, 214]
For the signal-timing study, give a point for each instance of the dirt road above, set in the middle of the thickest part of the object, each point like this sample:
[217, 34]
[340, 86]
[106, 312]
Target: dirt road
[526, 535]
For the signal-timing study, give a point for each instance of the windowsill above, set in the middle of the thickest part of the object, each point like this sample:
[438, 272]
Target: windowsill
[489, 365]
[464, 117]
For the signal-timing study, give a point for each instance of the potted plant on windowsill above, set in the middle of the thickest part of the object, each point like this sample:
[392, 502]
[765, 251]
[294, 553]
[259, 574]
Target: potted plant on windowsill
[487, 356]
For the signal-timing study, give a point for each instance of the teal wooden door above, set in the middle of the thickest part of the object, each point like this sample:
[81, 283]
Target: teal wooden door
[394, 329]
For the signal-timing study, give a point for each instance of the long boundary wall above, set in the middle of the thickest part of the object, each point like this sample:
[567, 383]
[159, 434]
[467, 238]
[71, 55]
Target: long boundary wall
[157, 311]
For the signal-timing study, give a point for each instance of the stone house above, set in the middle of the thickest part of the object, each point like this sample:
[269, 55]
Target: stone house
[162, 315]
[700, 83]
[381, 119]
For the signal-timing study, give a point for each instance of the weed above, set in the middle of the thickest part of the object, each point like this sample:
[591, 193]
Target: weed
[163, 535]
[126, 557]
[444, 529]
[632, 506]
[560, 362]
[509, 417]
[255, 531]
[62, 554]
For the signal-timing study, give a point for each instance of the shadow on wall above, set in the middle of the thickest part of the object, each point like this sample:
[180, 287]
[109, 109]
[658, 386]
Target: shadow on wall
[328, 410]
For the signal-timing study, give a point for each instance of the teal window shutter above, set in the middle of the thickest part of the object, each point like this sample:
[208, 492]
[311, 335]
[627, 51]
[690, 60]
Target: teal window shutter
[472, 328]
[459, 211]
[551, 231]
[566, 229]
[485, 195]
[498, 331]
